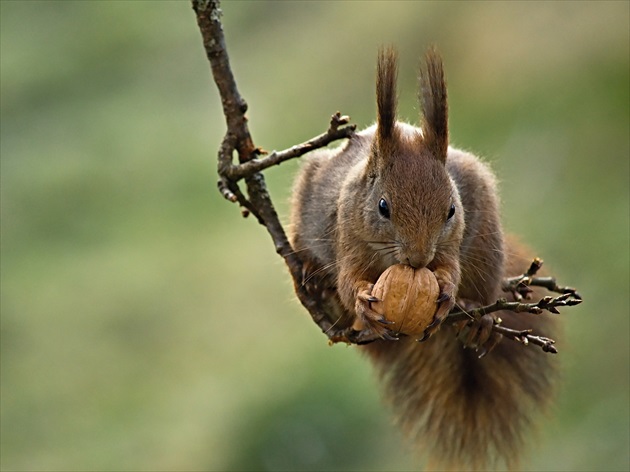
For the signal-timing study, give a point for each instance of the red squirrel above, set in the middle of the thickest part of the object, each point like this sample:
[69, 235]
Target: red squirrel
[399, 194]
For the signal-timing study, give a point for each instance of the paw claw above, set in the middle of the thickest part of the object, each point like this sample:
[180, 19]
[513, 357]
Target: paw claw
[385, 321]
[390, 337]
[426, 335]
[370, 318]
[431, 329]
[434, 324]
[443, 297]
[445, 302]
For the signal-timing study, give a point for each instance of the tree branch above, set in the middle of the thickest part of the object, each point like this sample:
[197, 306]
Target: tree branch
[519, 287]
[238, 138]
[526, 337]
[333, 133]
[546, 303]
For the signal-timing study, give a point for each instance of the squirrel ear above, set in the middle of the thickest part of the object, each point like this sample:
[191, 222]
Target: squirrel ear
[434, 106]
[386, 73]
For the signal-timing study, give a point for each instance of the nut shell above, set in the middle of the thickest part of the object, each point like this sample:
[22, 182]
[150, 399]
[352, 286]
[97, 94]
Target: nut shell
[408, 297]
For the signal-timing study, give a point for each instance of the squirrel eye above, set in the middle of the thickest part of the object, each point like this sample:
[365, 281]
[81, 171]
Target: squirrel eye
[451, 212]
[383, 208]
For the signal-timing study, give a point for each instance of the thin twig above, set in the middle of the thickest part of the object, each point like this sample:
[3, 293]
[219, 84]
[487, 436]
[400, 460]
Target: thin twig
[550, 304]
[526, 337]
[550, 284]
[334, 133]
[519, 286]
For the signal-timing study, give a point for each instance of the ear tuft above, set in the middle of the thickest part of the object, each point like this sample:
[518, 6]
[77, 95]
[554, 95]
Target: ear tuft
[386, 75]
[434, 105]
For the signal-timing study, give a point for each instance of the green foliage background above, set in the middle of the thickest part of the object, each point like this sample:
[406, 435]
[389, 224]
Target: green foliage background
[147, 326]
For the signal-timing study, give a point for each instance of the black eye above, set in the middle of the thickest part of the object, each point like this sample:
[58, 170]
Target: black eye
[383, 208]
[451, 212]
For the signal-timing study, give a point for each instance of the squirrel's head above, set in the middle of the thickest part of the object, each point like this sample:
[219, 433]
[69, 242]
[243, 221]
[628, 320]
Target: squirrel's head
[418, 205]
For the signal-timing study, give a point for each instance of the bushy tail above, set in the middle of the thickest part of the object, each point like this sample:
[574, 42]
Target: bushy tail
[466, 413]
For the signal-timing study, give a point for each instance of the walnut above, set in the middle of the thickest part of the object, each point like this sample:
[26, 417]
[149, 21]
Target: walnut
[408, 297]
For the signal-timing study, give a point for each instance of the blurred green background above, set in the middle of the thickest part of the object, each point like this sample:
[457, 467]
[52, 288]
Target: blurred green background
[147, 326]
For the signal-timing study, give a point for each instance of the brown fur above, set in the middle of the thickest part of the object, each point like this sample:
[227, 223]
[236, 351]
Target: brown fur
[465, 412]
[386, 99]
[433, 100]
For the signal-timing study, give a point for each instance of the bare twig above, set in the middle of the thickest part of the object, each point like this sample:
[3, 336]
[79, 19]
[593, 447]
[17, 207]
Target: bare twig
[550, 304]
[550, 284]
[519, 286]
[334, 133]
[526, 337]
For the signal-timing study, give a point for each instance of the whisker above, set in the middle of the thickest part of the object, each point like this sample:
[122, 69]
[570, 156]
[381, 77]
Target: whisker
[322, 269]
[333, 325]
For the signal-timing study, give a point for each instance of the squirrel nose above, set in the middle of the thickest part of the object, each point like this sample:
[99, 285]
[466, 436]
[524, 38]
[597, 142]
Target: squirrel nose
[417, 261]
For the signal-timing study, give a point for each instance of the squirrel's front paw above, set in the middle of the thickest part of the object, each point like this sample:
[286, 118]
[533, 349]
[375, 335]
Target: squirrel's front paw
[370, 318]
[445, 303]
